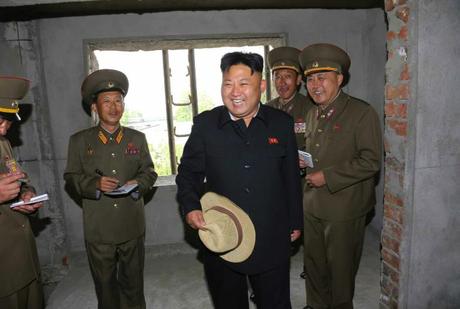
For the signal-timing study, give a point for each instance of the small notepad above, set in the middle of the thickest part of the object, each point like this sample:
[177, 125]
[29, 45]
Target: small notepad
[33, 200]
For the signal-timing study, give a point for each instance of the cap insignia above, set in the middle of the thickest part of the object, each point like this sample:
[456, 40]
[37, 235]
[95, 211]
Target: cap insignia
[315, 64]
[14, 104]
[282, 63]
[110, 85]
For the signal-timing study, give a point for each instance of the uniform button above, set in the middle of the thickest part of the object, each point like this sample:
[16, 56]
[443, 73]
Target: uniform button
[247, 166]
[113, 155]
[111, 138]
[247, 190]
[317, 145]
[114, 172]
[316, 160]
[115, 205]
[323, 116]
[23, 225]
[319, 130]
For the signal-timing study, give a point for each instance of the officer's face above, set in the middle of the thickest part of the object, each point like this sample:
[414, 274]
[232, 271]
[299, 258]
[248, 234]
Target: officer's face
[286, 83]
[323, 86]
[109, 106]
[4, 126]
[241, 91]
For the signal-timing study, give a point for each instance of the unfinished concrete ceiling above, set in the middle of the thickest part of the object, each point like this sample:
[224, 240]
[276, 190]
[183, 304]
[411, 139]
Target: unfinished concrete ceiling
[11, 10]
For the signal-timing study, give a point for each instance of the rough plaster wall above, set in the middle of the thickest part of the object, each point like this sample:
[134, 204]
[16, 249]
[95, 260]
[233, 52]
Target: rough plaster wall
[433, 280]
[32, 142]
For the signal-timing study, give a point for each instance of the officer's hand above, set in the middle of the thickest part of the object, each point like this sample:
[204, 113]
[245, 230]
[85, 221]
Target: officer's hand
[195, 219]
[29, 208]
[9, 186]
[295, 234]
[316, 179]
[302, 163]
[107, 184]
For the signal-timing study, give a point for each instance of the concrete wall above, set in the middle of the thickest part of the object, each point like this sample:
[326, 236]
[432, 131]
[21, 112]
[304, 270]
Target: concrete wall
[59, 49]
[432, 254]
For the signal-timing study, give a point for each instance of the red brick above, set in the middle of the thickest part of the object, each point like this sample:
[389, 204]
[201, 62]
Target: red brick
[392, 229]
[403, 91]
[405, 72]
[393, 199]
[391, 92]
[391, 35]
[403, 33]
[402, 110]
[393, 212]
[390, 243]
[390, 258]
[399, 127]
[389, 5]
[390, 109]
[390, 273]
[403, 13]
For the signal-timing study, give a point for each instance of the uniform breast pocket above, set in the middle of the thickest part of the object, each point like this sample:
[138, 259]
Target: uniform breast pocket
[340, 141]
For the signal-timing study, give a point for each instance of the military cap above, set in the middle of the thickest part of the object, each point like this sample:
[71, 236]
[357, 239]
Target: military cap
[12, 89]
[324, 57]
[102, 81]
[284, 58]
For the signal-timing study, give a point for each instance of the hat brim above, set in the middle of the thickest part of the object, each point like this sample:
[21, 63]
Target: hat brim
[246, 247]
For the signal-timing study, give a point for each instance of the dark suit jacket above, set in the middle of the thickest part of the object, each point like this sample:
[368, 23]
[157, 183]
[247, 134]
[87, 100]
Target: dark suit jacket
[255, 167]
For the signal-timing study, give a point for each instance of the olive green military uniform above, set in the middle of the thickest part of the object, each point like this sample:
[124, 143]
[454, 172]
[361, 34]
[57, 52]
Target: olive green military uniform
[345, 142]
[20, 286]
[114, 226]
[298, 108]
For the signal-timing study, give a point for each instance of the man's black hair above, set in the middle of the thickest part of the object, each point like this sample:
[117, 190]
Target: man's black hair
[251, 60]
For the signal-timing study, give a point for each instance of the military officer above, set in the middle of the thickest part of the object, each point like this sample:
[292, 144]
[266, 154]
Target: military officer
[286, 73]
[20, 286]
[100, 160]
[344, 138]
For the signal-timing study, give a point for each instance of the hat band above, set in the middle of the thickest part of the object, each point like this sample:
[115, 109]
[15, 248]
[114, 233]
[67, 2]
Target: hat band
[9, 110]
[277, 67]
[235, 220]
[313, 70]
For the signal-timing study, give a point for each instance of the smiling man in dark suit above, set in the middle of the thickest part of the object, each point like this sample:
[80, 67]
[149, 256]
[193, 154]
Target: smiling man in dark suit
[246, 152]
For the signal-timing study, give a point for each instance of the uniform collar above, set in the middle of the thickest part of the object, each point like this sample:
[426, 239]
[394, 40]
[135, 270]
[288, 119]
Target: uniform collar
[105, 137]
[225, 117]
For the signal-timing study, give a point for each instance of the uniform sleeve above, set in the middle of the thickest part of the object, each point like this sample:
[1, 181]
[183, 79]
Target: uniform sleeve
[191, 172]
[367, 159]
[292, 181]
[80, 183]
[146, 175]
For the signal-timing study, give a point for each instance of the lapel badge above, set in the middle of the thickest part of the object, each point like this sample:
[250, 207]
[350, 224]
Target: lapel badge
[336, 127]
[330, 113]
[90, 151]
[131, 149]
[315, 64]
[272, 140]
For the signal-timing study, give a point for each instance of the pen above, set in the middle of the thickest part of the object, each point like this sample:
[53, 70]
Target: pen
[100, 173]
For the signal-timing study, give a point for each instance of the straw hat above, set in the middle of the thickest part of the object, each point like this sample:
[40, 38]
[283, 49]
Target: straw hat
[228, 229]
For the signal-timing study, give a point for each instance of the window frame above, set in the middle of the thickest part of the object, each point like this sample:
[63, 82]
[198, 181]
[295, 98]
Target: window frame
[189, 43]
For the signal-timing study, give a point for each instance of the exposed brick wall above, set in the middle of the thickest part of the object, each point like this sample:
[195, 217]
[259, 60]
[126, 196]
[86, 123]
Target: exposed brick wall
[397, 96]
